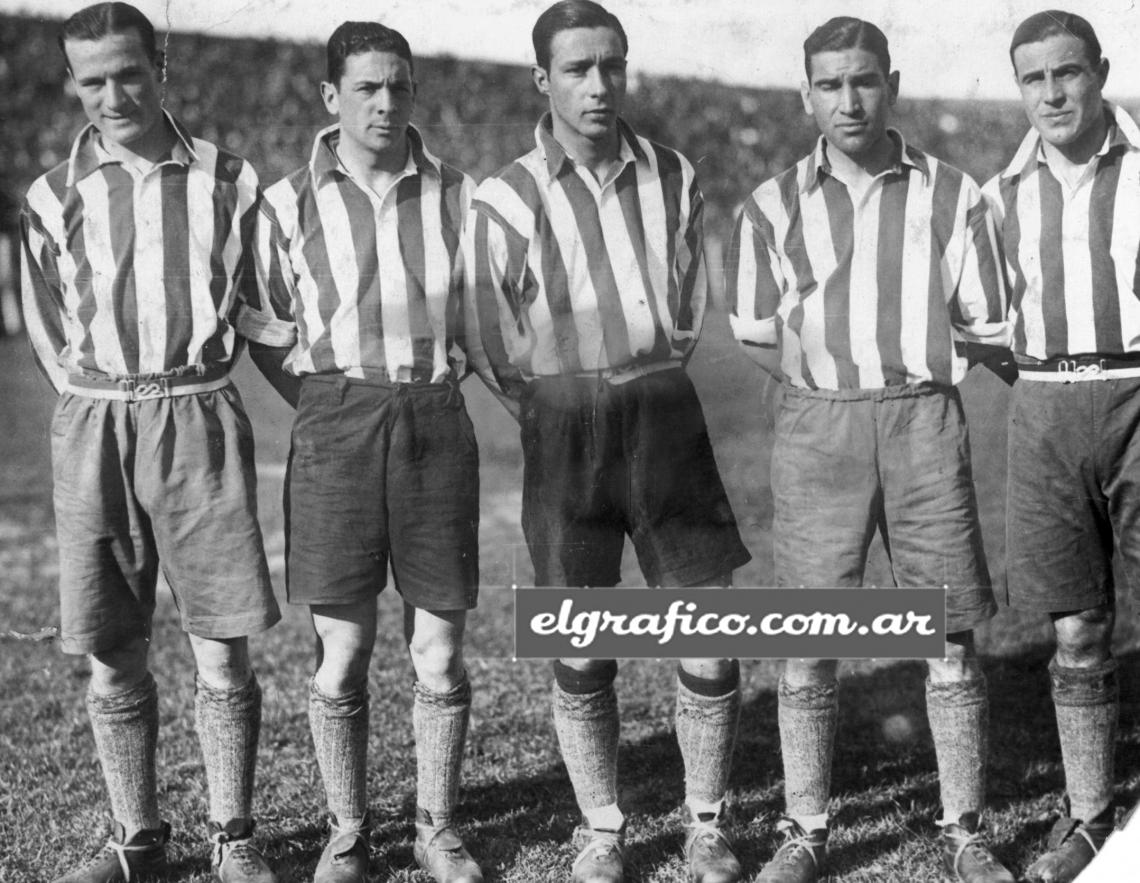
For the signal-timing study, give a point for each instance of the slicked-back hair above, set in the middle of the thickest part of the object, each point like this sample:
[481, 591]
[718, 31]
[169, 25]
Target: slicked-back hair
[96, 22]
[568, 14]
[353, 37]
[1052, 22]
[845, 32]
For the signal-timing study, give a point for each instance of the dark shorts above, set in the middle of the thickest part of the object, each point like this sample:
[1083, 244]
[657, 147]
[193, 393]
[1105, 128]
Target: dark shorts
[602, 461]
[1073, 492]
[378, 471]
[848, 462]
[167, 483]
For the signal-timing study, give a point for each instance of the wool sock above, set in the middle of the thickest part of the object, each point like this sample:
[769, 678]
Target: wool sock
[125, 725]
[708, 710]
[807, 740]
[228, 723]
[340, 738]
[440, 724]
[587, 728]
[959, 722]
[1087, 704]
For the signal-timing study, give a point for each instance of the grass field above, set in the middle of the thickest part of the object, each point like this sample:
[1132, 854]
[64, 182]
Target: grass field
[517, 804]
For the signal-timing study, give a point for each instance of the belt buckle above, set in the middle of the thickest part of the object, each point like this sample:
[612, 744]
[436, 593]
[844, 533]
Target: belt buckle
[148, 389]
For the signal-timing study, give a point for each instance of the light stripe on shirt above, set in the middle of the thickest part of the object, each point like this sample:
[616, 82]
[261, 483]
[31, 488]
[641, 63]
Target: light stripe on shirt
[1073, 255]
[872, 291]
[126, 273]
[360, 283]
[567, 275]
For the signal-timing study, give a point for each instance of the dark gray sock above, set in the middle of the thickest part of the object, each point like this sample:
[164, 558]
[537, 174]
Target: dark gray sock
[340, 737]
[959, 722]
[228, 723]
[125, 726]
[1087, 704]
[440, 724]
[807, 740]
[587, 728]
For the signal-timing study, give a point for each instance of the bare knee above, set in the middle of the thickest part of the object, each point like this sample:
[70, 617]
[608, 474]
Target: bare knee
[121, 668]
[346, 634]
[959, 661]
[810, 672]
[709, 669]
[436, 648]
[222, 664]
[1084, 637]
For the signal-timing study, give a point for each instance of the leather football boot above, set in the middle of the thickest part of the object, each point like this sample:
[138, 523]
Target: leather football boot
[345, 857]
[965, 856]
[143, 857]
[708, 852]
[800, 859]
[1071, 846]
[600, 855]
[236, 859]
[440, 852]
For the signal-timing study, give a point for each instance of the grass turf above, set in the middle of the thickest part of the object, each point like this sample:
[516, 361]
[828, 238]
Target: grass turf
[517, 807]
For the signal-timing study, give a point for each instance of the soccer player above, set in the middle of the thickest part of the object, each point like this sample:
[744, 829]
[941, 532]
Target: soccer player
[874, 268]
[1068, 208]
[361, 277]
[586, 293]
[133, 257]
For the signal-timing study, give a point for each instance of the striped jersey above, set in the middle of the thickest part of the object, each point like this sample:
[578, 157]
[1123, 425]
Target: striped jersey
[871, 291]
[1073, 256]
[126, 273]
[358, 283]
[567, 275]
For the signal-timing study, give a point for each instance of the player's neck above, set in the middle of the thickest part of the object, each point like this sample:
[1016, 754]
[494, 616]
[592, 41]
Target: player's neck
[597, 155]
[378, 169]
[860, 169]
[1070, 160]
[145, 152]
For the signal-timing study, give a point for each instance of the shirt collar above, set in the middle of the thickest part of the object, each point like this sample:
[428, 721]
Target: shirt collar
[325, 162]
[1122, 132]
[629, 148]
[89, 154]
[819, 164]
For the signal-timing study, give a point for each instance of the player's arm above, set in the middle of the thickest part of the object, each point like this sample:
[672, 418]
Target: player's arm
[753, 284]
[690, 268]
[494, 255]
[265, 317]
[980, 305]
[42, 295]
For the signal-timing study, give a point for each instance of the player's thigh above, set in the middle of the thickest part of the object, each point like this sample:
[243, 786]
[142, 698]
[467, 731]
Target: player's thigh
[826, 497]
[930, 506]
[679, 516]
[1058, 537]
[433, 491]
[195, 476]
[1120, 462]
[107, 558]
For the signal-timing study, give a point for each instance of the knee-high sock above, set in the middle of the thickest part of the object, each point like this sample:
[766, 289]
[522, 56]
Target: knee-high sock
[228, 724]
[440, 724]
[807, 741]
[1087, 704]
[340, 737]
[707, 714]
[587, 727]
[125, 725]
[959, 721]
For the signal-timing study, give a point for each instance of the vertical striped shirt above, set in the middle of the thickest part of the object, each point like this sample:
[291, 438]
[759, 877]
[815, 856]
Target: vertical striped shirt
[567, 275]
[862, 293]
[1073, 256]
[358, 283]
[126, 273]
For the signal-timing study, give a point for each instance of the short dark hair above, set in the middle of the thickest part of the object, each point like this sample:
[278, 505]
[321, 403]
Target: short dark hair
[96, 22]
[1052, 22]
[845, 32]
[568, 14]
[353, 37]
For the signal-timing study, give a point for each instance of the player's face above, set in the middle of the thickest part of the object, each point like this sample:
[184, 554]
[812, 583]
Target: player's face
[1061, 91]
[374, 100]
[119, 86]
[585, 83]
[850, 96]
